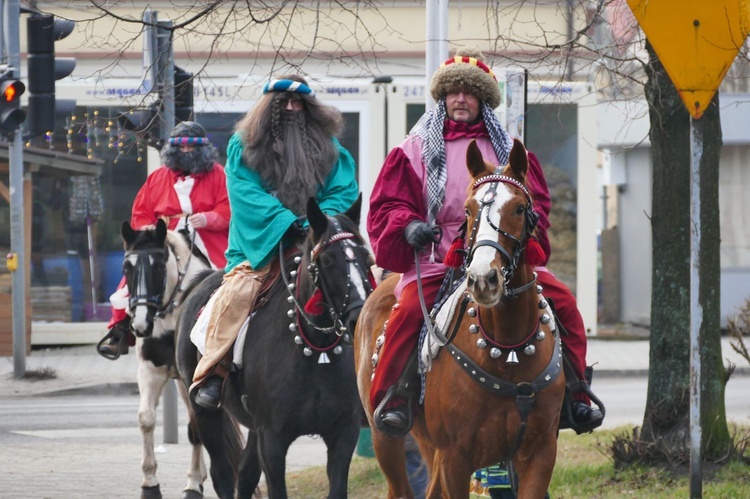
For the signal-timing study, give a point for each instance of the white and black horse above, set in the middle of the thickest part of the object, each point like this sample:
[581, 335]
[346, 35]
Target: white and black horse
[297, 376]
[158, 266]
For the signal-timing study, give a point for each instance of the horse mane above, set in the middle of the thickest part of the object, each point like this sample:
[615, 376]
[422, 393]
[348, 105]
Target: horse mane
[179, 244]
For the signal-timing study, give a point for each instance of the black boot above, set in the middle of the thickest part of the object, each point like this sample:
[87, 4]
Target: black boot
[208, 394]
[117, 341]
[396, 419]
[586, 416]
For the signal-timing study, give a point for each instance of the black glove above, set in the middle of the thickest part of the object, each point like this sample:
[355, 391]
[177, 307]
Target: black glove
[419, 234]
[297, 230]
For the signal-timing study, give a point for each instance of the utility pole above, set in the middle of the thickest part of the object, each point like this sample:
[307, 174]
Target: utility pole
[10, 21]
[160, 43]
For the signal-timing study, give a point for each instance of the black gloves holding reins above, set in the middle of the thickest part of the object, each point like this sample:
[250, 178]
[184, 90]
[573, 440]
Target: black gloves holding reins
[420, 234]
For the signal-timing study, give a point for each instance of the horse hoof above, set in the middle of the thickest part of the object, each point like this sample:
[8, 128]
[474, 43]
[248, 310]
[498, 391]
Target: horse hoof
[191, 494]
[151, 492]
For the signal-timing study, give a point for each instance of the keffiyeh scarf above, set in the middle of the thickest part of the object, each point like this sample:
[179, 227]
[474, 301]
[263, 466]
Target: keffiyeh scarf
[430, 129]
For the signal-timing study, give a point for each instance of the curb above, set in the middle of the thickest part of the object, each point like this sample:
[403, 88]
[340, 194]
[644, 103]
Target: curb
[99, 389]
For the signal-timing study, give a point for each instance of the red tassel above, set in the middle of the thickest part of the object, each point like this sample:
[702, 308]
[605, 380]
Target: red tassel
[314, 305]
[456, 254]
[534, 252]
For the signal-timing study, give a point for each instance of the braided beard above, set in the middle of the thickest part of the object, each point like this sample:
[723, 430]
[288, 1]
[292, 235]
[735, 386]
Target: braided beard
[296, 168]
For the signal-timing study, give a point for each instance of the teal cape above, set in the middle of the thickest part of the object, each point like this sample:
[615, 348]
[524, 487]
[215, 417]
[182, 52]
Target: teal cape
[259, 220]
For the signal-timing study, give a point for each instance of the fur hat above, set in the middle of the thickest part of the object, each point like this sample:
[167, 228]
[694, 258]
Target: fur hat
[466, 72]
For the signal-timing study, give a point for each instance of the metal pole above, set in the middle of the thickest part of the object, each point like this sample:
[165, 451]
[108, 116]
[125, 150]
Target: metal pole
[696, 312]
[11, 14]
[436, 49]
[431, 49]
[166, 70]
[92, 262]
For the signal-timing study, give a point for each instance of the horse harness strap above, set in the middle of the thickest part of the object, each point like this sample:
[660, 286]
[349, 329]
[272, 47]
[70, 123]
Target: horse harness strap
[298, 312]
[163, 308]
[449, 339]
[524, 392]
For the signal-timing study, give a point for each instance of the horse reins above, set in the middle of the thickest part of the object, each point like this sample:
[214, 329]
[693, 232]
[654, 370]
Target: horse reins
[529, 224]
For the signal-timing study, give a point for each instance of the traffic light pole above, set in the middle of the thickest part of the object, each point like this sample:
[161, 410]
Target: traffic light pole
[11, 15]
[166, 85]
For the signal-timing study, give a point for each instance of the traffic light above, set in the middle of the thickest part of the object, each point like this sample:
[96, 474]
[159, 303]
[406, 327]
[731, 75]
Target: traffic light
[183, 95]
[11, 115]
[43, 30]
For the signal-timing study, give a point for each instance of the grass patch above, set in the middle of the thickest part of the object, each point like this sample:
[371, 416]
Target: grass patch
[584, 469]
[40, 374]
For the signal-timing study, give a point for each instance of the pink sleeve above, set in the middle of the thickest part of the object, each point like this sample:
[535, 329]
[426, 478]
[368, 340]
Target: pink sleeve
[542, 203]
[396, 201]
[214, 221]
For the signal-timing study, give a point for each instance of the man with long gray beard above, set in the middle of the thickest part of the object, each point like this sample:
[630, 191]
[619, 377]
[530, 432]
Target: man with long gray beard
[283, 152]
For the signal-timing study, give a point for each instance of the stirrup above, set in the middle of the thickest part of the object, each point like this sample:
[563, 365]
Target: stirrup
[377, 415]
[122, 346]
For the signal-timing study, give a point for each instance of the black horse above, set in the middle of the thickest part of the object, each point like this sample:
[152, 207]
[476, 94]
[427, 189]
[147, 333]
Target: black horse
[297, 375]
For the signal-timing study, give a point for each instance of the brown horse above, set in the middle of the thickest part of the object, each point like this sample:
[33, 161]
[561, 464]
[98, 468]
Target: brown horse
[496, 391]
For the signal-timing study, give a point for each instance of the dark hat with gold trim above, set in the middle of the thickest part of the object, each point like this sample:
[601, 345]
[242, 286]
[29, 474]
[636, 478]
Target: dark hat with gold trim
[466, 72]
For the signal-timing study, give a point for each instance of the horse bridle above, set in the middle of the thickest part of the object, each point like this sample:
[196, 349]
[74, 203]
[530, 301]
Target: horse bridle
[339, 236]
[530, 222]
[143, 268]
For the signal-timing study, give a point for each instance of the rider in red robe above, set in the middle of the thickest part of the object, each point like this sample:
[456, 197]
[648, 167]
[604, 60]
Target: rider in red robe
[188, 191]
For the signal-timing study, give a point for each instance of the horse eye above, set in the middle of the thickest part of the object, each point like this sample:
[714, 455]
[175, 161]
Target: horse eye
[521, 209]
[325, 260]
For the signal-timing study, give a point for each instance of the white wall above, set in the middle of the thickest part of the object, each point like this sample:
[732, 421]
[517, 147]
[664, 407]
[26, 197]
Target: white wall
[623, 130]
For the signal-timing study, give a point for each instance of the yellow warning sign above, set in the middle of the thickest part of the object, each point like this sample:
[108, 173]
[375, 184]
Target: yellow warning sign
[696, 41]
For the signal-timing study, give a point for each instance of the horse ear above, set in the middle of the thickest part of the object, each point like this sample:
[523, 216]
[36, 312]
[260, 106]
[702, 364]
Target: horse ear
[354, 210]
[318, 220]
[518, 161]
[127, 233]
[474, 160]
[161, 229]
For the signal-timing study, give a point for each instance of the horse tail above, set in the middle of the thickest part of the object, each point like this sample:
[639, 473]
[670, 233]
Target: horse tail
[234, 441]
